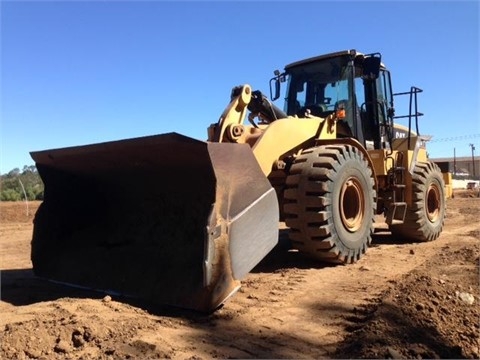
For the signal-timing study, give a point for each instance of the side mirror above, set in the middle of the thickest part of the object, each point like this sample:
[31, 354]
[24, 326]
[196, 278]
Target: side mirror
[371, 66]
[276, 80]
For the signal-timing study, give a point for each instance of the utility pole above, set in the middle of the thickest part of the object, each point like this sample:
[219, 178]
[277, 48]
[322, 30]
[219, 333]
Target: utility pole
[473, 159]
[454, 162]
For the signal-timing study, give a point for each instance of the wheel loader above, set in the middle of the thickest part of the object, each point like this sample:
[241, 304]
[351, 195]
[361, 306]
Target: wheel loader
[177, 221]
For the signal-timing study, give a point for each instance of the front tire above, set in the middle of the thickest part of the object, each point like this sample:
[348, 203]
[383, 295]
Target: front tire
[330, 203]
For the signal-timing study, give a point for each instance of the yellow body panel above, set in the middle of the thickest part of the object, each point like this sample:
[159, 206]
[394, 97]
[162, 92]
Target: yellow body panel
[378, 160]
[281, 137]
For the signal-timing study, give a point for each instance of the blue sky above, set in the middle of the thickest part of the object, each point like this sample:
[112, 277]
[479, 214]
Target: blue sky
[78, 72]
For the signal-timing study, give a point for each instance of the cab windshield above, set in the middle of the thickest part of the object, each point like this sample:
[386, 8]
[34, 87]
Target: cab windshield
[318, 87]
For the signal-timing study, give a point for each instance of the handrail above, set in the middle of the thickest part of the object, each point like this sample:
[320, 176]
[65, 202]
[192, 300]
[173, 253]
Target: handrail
[413, 98]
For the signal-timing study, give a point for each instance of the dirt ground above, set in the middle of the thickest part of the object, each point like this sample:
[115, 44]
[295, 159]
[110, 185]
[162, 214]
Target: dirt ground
[401, 300]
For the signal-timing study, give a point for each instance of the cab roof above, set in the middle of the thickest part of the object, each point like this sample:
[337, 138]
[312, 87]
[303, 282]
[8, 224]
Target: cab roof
[351, 52]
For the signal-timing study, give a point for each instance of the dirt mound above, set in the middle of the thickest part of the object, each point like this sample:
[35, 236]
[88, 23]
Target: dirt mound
[430, 313]
[71, 328]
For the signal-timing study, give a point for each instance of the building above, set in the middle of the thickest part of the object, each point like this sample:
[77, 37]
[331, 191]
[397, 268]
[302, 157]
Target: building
[460, 167]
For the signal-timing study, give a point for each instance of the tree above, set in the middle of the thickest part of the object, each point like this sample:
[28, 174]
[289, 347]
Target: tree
[11, 184]
[9, 195]
[13, 173]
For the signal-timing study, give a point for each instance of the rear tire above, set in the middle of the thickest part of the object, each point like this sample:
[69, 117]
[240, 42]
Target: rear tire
[330, 203]
[425, 218]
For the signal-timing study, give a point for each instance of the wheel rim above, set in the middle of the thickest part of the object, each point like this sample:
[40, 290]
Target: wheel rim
[352, 204]
[433, 203]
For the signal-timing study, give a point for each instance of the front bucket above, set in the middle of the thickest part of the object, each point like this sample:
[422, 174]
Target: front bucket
[164, 218]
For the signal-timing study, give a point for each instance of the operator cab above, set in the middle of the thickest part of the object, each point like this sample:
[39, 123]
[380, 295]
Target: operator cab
[356, 83]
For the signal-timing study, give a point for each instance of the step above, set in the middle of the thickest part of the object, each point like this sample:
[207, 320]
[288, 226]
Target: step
[396, 215]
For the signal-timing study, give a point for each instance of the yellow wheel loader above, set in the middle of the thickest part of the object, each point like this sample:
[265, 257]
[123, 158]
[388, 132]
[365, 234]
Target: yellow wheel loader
[177, 221]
